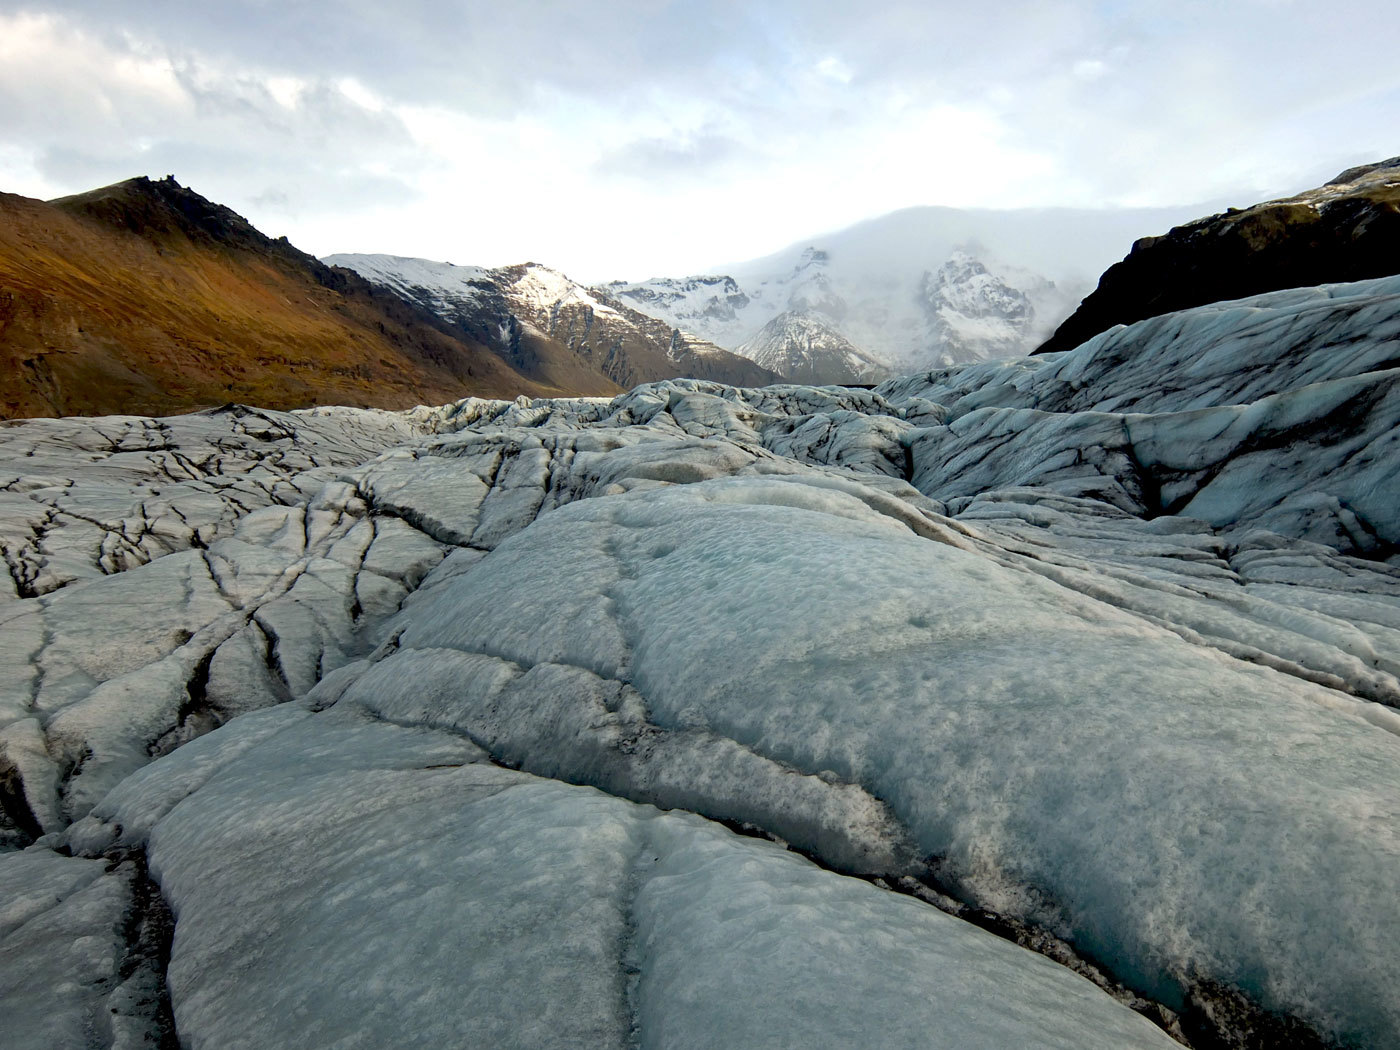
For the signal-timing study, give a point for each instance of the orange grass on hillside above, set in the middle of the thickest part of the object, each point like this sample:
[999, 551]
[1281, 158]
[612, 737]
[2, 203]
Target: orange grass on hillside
[131, 308]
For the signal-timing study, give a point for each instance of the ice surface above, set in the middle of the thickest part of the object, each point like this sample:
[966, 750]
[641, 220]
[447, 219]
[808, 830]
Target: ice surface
[62, 944]
[1025, 736]
[345, 881]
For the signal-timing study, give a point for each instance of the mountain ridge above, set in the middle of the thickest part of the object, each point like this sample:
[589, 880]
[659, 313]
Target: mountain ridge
[877, 283]
[523, 304]
[144, 296]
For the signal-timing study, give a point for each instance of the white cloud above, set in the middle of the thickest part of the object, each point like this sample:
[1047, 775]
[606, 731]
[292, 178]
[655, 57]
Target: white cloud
[833, 68]
[628, 137]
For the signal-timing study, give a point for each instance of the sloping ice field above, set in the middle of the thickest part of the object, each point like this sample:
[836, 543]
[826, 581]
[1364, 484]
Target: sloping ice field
[1048, 702]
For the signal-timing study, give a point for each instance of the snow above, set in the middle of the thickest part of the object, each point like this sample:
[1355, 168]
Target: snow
[547, 289]
[810, 350]
[873, 282]
[449, 286]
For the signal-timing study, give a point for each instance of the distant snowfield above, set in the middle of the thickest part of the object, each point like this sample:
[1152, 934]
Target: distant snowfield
[708, 717]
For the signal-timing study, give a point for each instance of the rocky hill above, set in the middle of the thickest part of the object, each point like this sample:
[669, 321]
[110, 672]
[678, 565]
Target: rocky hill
[146, 297]
[1347, 230]
[552, 328]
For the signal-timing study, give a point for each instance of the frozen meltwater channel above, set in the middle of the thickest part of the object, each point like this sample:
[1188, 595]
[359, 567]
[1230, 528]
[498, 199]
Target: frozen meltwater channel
[1103, 648]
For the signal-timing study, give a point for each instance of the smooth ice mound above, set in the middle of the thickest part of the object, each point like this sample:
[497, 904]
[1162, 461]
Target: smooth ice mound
[1100, 650]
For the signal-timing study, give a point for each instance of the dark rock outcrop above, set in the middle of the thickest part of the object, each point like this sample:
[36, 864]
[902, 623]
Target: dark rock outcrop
[1347, 230]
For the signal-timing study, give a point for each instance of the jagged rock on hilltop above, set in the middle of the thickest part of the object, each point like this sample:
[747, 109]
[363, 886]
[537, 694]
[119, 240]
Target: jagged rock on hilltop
[809, 349]
[1347, 230]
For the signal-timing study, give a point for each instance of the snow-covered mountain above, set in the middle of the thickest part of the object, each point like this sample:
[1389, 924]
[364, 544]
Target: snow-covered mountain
[976, 314]
[715, 307]
[911, 290]
[548, 326]
[807, 348]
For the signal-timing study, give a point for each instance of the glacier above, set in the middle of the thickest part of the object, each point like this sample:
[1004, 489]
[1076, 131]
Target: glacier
[1043, 702]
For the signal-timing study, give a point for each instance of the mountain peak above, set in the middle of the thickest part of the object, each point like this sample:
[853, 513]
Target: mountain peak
[158, 208]
[809, 349]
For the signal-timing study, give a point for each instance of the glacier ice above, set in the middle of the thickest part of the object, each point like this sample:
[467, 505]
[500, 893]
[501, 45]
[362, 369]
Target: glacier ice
[340, 880]
[1098, 650]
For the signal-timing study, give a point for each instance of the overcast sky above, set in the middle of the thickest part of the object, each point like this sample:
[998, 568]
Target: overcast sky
[639, 137]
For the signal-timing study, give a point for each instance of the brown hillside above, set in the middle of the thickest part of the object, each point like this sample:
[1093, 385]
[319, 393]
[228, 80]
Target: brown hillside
[144, 297]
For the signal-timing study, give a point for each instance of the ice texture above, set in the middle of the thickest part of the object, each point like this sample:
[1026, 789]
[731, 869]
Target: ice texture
[346, 881]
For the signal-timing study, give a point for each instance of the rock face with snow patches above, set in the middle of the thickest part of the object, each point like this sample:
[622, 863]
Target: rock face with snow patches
[976, 315]
[547, 326]
[1046, 702]
[807, 349]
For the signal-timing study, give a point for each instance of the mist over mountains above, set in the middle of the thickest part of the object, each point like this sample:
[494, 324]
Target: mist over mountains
[914, 289]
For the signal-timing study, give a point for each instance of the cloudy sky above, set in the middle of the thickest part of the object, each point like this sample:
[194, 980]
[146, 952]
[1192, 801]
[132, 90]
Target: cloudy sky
[636, 137]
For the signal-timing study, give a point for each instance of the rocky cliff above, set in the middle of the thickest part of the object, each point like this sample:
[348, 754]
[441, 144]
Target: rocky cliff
[1347, 230]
